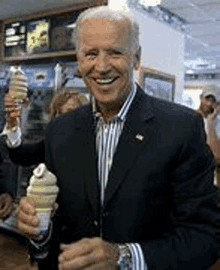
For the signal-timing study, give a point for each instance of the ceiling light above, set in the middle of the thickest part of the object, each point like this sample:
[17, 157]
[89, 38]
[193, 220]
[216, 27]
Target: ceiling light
[119, 5]
[150, 2]
[189, 71]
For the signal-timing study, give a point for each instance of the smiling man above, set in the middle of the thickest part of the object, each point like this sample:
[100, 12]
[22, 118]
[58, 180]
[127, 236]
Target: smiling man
[135, 175]
[107, 58]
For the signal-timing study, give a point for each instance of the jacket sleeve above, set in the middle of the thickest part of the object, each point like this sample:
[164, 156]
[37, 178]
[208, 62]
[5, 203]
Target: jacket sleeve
[28, 154]
[191, 241]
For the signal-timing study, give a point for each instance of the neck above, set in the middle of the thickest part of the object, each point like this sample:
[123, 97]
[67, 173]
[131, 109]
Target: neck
[108, 111]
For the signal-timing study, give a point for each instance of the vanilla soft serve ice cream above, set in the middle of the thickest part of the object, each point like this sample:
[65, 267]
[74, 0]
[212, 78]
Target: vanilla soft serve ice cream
[43, 190]
[18, 86]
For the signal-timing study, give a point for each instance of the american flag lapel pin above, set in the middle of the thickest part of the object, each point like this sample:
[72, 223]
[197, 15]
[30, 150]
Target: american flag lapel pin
[139, 137]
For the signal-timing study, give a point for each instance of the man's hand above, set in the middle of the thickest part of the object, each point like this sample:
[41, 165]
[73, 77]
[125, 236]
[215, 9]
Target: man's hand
[89, 254]
[6, 205]
[12, 110]
[27, 220]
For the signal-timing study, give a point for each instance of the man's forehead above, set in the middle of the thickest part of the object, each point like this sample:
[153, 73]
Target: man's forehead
[102, 25]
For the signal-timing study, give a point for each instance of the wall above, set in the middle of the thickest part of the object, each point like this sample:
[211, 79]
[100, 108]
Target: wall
[214, 85]
[162, 47]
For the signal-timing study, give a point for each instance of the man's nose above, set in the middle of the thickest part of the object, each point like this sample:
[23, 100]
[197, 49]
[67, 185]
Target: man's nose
[102, 63]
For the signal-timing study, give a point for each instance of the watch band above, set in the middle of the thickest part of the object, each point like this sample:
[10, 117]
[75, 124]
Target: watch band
[124, 260]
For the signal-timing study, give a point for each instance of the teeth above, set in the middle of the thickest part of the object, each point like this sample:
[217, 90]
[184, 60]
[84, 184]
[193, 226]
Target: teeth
[103, 81]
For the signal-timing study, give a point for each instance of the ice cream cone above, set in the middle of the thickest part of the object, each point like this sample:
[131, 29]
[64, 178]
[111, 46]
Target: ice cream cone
[18, 87]
[43, 190]
[44, 216]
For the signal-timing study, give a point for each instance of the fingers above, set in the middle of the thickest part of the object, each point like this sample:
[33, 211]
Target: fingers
[6, 205]
[103, 266]
[79, 248]
[88, 254]
[12, 109]
[54, 209]
[87, 264]
[77, 263]
[27, 221]
[10, 102]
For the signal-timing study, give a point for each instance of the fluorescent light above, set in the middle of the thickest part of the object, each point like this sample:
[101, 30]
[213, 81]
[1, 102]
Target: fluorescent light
[189, 71]
[150, 2]
[119, 5]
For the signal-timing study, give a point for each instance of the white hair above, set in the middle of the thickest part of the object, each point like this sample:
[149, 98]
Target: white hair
[111, 15]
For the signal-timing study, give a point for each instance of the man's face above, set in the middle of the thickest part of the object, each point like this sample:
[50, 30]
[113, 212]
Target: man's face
[106, 61]
[207, 104]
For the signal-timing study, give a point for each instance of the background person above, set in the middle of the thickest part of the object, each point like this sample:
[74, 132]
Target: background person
[207, 105]
[214, 123]
[134, 172]
[213, 140]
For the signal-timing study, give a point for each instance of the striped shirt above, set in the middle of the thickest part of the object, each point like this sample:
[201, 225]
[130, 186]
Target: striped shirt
[107, 137]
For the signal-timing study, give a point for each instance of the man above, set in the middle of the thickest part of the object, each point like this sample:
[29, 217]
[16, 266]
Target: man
[207, 105]
[214, 122]
[134, 172]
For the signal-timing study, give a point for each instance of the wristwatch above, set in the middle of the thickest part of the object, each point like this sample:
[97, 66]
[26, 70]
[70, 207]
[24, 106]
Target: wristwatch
[124, 260]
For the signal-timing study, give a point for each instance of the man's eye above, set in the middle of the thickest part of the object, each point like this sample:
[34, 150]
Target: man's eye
[116, 53]
[91, 54]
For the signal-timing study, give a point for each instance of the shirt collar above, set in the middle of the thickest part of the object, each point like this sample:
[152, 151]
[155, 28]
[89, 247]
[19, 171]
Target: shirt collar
[124, 109]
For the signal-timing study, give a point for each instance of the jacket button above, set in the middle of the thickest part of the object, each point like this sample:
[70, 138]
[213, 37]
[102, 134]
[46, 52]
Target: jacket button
[96, 223]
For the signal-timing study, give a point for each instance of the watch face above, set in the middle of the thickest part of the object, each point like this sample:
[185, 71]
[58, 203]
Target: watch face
[125, 266]
[125, 261]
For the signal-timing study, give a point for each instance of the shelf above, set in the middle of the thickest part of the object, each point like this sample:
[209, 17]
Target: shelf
[38, 56]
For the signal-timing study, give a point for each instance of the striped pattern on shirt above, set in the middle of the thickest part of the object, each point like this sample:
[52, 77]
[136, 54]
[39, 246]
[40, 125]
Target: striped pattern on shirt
[107, 137]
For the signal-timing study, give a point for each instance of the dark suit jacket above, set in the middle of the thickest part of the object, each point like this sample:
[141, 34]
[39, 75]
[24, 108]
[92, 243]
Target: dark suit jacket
[160, 189]
[28, 154]
[8, 171]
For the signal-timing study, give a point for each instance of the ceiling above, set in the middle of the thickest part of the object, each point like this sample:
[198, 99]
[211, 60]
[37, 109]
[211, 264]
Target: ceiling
[203, 17]
[203, 39]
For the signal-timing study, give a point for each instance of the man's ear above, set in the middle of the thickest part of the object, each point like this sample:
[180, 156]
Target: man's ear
[137, 58]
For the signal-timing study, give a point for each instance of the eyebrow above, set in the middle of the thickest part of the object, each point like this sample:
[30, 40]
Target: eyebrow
[116, 49]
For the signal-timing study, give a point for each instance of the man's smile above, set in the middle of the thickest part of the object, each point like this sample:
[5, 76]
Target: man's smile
[104, 81]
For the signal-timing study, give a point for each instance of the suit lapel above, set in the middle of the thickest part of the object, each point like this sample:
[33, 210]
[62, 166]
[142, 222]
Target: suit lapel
[135, 135]
[86, 131]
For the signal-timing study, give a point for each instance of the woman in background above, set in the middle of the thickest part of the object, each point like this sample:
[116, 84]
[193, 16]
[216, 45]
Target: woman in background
[66, 102]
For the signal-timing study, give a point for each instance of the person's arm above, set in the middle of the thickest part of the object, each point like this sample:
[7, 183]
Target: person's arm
[28, 154]
[13, 138]
[211, 128]
[28, 223]
[191, 242]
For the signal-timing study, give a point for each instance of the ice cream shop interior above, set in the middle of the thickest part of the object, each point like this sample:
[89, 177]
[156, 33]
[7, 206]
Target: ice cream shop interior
[180, 60]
